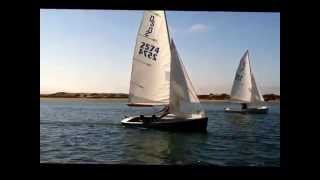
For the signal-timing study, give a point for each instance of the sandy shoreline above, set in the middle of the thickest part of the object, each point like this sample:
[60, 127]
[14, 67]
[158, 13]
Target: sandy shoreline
[121, 96]
[83, 99]
[125, 99]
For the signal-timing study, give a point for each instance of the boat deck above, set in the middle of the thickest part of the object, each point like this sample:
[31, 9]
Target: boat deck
[169, 122]
[168, 117]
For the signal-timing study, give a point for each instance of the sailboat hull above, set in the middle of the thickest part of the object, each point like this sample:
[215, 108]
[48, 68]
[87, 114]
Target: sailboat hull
[168, 123]
[259, 110]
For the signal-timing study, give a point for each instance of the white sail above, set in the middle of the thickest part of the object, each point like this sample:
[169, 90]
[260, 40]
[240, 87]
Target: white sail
[242, 84]
[256, 96]
[183, 99]
[150, 76]
[245, 88]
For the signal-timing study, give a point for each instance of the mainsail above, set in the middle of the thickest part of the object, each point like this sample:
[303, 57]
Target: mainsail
[241, 89]
[150, 76]
[244, 87]
[183, 98]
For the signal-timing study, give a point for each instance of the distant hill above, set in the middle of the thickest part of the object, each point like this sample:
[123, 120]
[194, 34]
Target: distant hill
[271, 97]
[84, 95]
[223, 96]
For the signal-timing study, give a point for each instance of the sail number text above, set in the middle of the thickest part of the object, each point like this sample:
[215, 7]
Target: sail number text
[239, 77]
[149, 51]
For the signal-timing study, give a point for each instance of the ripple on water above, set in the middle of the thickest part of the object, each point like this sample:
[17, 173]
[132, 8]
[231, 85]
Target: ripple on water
[90, 132]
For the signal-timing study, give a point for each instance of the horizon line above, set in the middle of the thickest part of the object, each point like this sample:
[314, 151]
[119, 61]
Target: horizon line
[128, 93]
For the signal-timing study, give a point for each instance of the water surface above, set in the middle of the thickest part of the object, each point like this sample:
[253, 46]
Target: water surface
[89, 131]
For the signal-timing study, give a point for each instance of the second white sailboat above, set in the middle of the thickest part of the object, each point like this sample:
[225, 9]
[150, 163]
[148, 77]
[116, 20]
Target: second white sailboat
[245, 90]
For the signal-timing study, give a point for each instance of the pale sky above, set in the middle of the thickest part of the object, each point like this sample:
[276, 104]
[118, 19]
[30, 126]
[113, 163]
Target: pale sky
[91, 50]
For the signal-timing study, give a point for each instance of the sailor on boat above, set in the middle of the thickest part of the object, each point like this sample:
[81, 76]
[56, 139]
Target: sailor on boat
[244, 106]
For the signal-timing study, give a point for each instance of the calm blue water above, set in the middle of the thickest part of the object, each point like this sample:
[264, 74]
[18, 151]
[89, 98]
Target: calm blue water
[89, 131]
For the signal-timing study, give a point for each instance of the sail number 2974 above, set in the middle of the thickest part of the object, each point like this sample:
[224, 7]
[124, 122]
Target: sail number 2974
[149, 51]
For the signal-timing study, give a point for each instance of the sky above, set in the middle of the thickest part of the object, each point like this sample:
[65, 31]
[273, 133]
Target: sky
[92, 50]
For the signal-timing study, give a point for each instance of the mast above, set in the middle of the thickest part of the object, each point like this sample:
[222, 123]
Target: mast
[250, 73]
[249, 63]
[169, 38]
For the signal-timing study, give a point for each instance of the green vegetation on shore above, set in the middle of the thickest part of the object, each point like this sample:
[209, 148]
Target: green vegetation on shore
[223, 96]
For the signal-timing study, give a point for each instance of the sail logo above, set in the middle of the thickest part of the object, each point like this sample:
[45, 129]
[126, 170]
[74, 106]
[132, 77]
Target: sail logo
[151, 26]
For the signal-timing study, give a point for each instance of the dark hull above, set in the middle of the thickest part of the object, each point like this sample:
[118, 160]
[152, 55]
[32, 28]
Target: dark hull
[197, 125]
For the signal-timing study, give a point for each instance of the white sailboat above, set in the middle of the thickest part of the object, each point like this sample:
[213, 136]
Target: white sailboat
[245, 90]
[158, 78]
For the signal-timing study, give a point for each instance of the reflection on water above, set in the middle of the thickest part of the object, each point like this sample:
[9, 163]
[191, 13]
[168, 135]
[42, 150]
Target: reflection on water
[156, 147]
[183, 149]
[146, 147]
[239, 119]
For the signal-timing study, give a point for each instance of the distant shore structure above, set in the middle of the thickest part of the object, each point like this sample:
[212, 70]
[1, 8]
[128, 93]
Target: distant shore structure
[223, 96]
